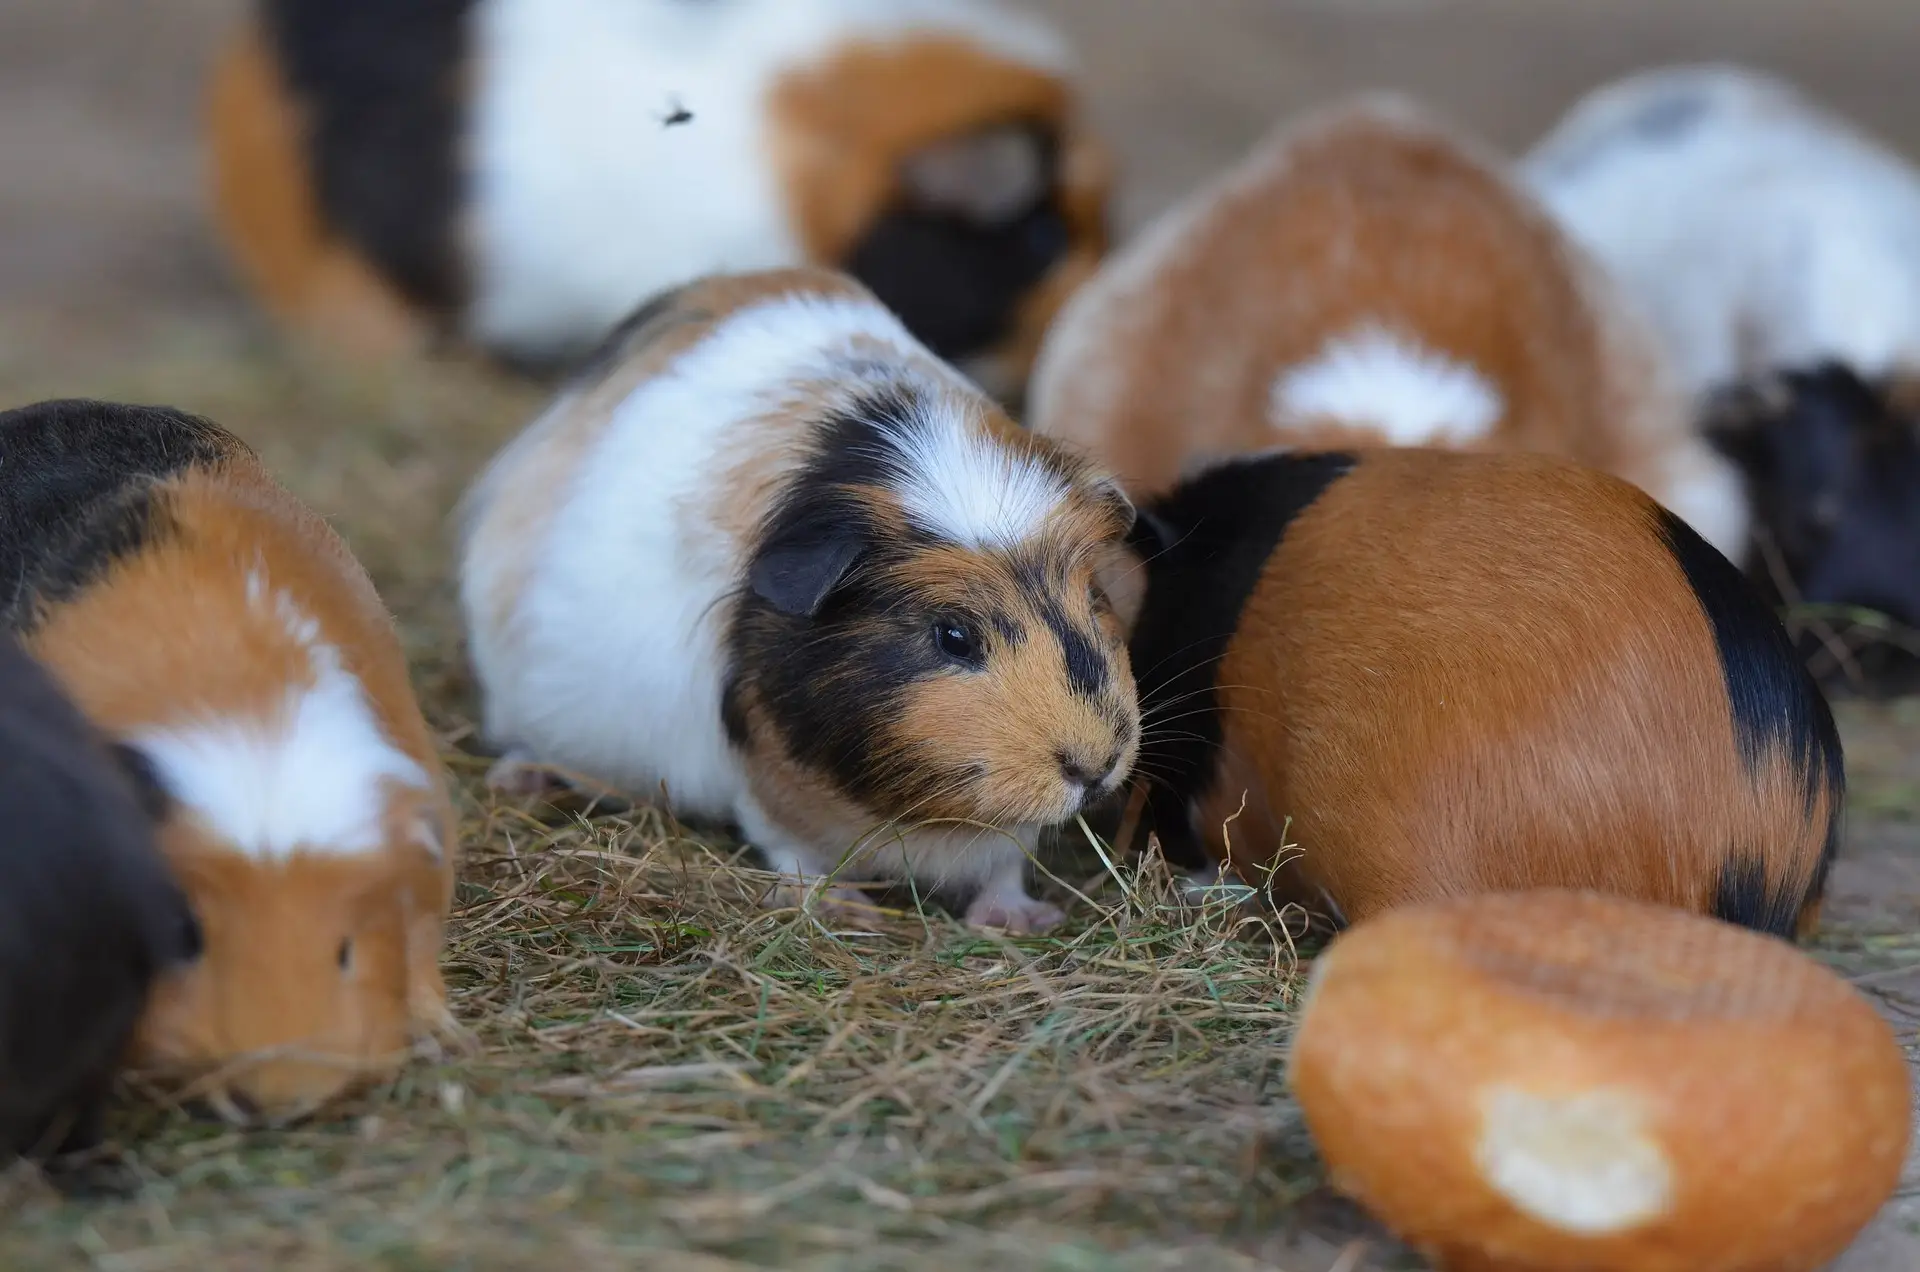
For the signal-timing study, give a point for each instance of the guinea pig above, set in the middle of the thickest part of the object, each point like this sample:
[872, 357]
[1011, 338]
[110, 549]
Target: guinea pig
[1394, 675]
[1756, 229]
[89, 916]
[772, 556]
[520, 174]
[1832, 461]
[220, 630]
[1776, 249]
[1368, 277]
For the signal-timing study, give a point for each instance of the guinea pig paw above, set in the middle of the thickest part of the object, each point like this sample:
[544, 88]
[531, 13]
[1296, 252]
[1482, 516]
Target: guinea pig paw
[1021, 916]
[836, 902]
[516, 775]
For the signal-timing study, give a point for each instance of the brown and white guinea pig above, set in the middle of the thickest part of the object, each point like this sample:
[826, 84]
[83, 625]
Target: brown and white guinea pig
[89, 915]
[1438, 673]
[214, 625]
[522, 173]
[1368, 277]
[772, 555]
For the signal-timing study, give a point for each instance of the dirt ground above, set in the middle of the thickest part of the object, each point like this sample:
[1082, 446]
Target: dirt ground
[110, 285]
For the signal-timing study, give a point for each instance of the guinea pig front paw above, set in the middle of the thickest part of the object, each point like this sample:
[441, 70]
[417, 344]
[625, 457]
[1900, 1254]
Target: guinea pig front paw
[1020, 915]
[517, 775]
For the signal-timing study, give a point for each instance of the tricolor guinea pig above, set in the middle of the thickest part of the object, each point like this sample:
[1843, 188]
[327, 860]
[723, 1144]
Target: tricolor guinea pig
[772, 557]
[522, 173]
[1368, 277]
[219, 630]
[1776, 248]
[1390, 675]
[89, 916]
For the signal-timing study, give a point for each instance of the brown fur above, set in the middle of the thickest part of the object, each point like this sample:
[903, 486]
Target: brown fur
[843, 125]
[1362, 213]
[1375, 693]
[124, 651]
[265, 207]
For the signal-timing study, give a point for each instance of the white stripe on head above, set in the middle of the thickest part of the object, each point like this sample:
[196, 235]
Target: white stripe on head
[960, 482]
[1375, 377]
[305, 775]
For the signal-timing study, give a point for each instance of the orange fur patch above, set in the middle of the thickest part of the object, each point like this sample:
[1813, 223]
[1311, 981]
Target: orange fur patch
[1375, 694]
[266, 210]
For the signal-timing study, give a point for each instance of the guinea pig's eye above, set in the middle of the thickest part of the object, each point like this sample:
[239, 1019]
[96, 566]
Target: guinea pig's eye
[956, 641]
[345, 957]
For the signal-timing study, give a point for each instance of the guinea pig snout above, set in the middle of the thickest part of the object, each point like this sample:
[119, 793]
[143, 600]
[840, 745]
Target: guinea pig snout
[1093, 777]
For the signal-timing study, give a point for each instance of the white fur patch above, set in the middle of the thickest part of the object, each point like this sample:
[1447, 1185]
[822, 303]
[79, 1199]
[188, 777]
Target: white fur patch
[304, 775]
[967, 486]
[1584, 1164]
[1414, 395]
[585, 203]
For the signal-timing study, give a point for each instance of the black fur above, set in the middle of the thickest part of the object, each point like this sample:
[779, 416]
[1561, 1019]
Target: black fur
[77, 491]
[1777, 709]
[957, 283]
[1206, 544]
[823, 641]
[89, 914]
[1833, 472]
[381, 85]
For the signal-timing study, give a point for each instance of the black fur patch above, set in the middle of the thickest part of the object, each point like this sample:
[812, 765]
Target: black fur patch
[1206, 544]
[78, 490]
[1776, 706]
[89, 915]
[953, 281]
[381, 85]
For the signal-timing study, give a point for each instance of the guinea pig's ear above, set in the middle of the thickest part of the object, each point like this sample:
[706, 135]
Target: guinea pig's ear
[148, 786]
[989, 178]
[1108, 492]
[798, 576]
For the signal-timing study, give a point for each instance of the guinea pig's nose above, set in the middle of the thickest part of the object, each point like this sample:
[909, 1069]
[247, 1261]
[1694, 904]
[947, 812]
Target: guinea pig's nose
[1088, 777]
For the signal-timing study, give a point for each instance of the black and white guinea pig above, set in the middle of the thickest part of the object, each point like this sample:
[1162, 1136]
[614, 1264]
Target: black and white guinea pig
[1776, 248]
[89, 916]
[206, 619]
[522, 173]
[770, 554]
[1757, 229]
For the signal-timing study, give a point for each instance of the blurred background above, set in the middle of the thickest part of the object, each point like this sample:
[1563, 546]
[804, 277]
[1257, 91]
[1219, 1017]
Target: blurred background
[104, 251]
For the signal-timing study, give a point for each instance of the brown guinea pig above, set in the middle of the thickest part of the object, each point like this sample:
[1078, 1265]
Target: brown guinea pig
[213, 625]
[1367, 277]
[522, 173]
[1436, 673]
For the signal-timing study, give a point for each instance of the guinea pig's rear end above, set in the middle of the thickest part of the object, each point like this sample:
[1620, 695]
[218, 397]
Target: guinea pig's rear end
[222, 634]
[89, 916]
[1430, 674]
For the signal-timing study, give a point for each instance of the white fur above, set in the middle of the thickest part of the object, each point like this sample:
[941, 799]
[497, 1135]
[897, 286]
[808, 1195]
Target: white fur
[610, 662]
[584, 203]
[963, 485]
[1757, 229]
[305, 774]
[1414, 395]
[1584, 1164]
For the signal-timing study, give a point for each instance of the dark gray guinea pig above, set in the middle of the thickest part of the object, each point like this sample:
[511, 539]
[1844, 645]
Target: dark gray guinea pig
[1832, 466]
[89, 915]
